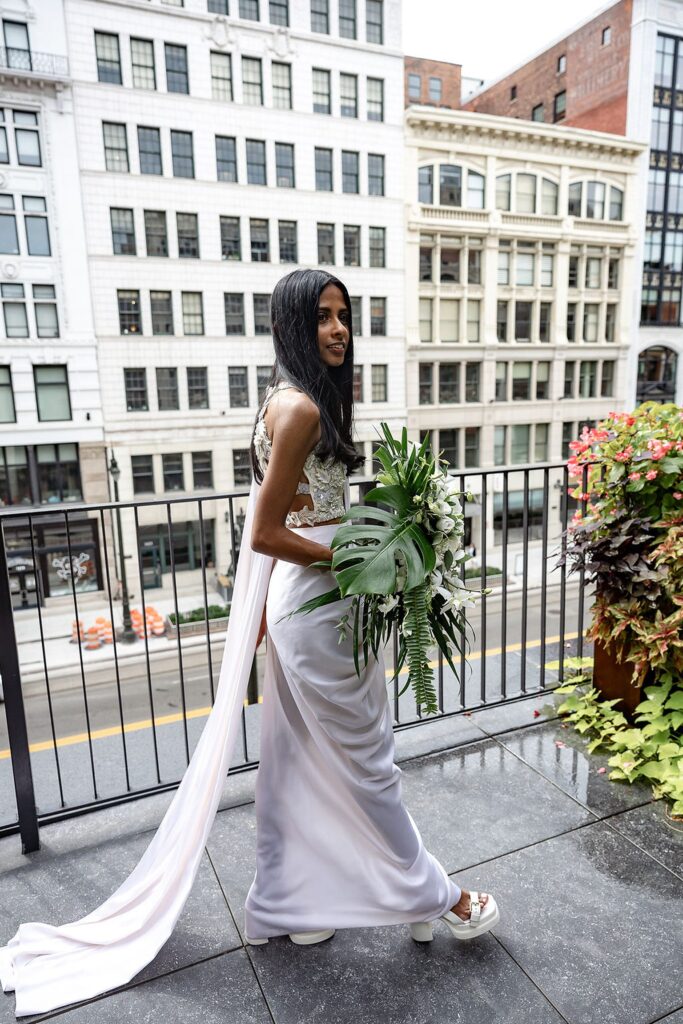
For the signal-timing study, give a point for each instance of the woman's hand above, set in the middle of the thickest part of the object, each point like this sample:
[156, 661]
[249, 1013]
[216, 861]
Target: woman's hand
[262, 628]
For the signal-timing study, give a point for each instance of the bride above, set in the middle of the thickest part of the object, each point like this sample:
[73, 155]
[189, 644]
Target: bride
[336, 847]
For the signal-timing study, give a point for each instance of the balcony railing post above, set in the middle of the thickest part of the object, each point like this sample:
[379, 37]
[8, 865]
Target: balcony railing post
[14, 711]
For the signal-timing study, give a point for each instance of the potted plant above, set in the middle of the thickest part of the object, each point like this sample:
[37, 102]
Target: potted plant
[628, 538]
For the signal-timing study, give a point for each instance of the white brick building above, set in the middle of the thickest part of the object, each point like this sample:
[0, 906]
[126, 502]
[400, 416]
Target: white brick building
[521, 282]
[51, 430]
[217, 153]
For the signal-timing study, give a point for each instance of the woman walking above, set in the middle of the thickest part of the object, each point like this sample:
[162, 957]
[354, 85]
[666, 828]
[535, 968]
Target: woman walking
[335, 845]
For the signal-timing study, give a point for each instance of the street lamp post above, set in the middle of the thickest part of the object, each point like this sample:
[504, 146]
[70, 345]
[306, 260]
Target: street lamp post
[127, 634]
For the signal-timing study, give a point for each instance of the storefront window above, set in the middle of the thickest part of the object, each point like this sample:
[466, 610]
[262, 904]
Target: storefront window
[15, 488]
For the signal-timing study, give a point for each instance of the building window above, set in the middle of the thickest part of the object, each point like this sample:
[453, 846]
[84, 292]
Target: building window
[590, 322]
[326, 243]
[9, 239]
[156, 233]
[425, 187]
[27, 140]
[142, 472]
[426, 263]
[202, 469]
[544, 314]
[503, 191]
[523, 312]
[449, 266]
[502, 320]
[231, 240]
[351, 245]
[350, 172]
[172, 467]
[14, 310]
[606, 36]
[45, 309]
[375, 174]
[595, 200]
[449, 383]
[142, 63]
[7, 409]
[435, 89]
[374, 21]
[448, 446]
[356, 315]
[241, 467]
[320, 16]
[282, 85]
[593, 271]
[182, 155]
[377, 247]
[260, 242]
[176, 68]
[262, 313]
[135, 382]
[193, 313]
[252, 81]
[610, 321]
[538, 113]
[541, 442]
[513, 92]
[197, 387]
[472, 373]
[521, 381]
[616, 203]
[357, 383]
[525, 268]
[426, 319]
[473, 316]
[238, 387]
[414, 86]
[279, 12]
[256, 162]
[122, 231]
[549, 195]
[348, 95]
[426, 383]
[167, 388]
[162, 312]
[108, 57]
[221, 76]
[562, 64]
[499, 445]
[226, 158]
[449, 321]
[374, 88]
[323, 169]
[284, 165]
[378, 316]
[218, 7]
[347, 19]
[249, 10]
[588, 369]
[187, 226]
[233, 303]
[519, 443]
[379, 385]
[288, 241]
[35, 224]
[52, 392]
[130, 318]
[571, 321]
[115, 147]
[607, 379]
[543, 380]
[525, 193]
[560, 106]
[263, 374]
[501, 382]
[475, 190]
[569, 374]
[322, 92]
[450, 185]
[473, 265]
[149, 150]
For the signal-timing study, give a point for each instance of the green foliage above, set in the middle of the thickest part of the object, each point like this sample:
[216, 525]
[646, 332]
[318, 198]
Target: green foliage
[216, 611]
[652, 751]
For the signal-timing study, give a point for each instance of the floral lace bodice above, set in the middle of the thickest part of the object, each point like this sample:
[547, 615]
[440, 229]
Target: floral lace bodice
[325, 477]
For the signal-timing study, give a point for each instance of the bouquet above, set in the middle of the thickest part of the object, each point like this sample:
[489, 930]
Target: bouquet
[404, 566]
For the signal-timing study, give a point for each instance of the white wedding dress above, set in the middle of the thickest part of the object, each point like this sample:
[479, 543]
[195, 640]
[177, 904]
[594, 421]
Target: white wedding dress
[336, 847]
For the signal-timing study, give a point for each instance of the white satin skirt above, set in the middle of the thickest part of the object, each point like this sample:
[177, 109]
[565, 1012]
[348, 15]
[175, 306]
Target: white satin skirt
[336, 847]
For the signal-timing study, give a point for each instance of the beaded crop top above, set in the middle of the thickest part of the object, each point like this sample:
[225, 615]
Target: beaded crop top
[326, 477]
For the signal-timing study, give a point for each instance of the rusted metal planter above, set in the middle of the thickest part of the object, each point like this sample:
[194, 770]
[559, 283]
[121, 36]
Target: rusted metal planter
[613, 679]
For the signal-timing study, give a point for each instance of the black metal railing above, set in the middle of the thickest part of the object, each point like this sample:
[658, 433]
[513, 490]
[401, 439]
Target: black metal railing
[16, 58]
[101, 729]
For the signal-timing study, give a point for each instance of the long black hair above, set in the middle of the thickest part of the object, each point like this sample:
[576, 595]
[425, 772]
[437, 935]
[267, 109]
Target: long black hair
[294, 323]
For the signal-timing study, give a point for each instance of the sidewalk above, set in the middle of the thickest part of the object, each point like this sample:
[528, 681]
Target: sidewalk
[587, 874]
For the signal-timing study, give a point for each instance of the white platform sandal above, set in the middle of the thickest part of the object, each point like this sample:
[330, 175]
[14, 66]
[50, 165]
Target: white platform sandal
[480, 921]
[300, 938]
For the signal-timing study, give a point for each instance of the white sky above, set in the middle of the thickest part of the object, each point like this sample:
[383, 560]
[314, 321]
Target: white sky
[488, 37]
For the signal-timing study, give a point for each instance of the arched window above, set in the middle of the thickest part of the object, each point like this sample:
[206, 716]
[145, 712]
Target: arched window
[457, 186]
[596, 200]
[657, 367]
[522, 192]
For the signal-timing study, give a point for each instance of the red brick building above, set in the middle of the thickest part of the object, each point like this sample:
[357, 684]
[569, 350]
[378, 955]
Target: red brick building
[581, 81]
[434, 83]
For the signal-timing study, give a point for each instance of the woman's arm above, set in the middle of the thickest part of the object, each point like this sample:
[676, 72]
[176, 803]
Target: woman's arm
[295, 432]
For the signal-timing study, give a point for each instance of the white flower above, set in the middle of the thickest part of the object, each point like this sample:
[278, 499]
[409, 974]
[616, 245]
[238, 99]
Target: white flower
[445, 524]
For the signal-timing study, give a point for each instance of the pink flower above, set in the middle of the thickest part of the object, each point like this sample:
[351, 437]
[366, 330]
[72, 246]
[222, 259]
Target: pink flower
[625, 454]
[651, 474]
[634, 476]
[678, 496]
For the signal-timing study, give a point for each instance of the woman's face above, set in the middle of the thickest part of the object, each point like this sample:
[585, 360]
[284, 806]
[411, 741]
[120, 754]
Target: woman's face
[333, 326]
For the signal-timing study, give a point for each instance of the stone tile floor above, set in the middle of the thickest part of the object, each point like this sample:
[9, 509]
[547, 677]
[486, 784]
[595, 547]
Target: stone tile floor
[588, 875]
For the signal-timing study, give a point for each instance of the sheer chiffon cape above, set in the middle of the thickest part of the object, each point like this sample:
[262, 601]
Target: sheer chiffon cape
[48, 966]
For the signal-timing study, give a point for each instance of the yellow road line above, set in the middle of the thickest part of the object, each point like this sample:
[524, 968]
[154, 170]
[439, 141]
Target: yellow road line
[115, 730]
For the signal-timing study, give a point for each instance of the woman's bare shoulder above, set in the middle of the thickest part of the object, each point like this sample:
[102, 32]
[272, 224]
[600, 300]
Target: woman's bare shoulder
[294, 415]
